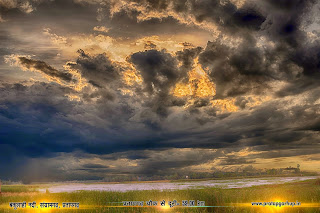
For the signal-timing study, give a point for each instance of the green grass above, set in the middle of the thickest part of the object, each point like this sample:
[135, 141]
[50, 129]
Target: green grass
[19, 188]
[304, 192]
[317, 182]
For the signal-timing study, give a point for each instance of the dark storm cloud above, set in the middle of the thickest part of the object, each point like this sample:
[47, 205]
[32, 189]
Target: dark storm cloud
[31, 115]
[315, 126]
[44, 118]
[249, 69]
[201, 103]
[227, 15]
[48, 133]
[98, 70]
[308, 58]
[187, 57]
[285, 18]
[282, 18]
[246, 69]
[45, 68]
[94, 166]
[286, 24]
[36, 115]
[160, 73]
[158, 70]
[172, 161]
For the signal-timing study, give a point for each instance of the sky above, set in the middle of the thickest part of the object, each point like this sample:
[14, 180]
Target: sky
[92, 88]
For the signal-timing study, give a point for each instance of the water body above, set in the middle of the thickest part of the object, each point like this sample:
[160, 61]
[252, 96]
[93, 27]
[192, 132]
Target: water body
[122, 187]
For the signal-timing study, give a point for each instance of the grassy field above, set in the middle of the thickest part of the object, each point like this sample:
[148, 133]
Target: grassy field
[236, 200]
[19, 188]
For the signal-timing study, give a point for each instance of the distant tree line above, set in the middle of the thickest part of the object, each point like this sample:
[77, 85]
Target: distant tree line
[248, 171]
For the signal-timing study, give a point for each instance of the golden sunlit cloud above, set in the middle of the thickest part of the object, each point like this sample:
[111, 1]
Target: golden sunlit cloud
[170, 44]
[257, 100]
[80, 83]
[238, 3]
[118, 49]
[198, 85]
[226, 105]
[131, 76]
[244, 152]
[101, 29]
[56, 39]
